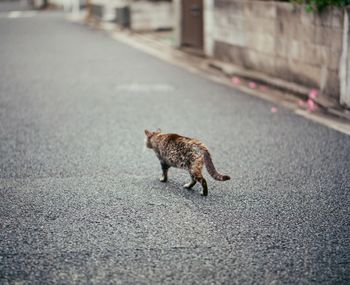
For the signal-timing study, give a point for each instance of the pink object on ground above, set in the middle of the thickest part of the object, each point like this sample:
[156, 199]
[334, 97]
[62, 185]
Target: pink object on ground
[252, 84]
[273, 110]
[313, 93]
[236, 80]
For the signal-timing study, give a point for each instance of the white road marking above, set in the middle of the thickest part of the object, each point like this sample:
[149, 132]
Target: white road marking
[18, 14]
[14, 14]
[139, 87]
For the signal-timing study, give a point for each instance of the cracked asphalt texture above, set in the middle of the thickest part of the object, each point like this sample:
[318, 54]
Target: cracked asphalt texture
[80, 198]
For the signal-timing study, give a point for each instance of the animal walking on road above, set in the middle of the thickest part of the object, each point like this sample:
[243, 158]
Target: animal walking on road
[177, 151]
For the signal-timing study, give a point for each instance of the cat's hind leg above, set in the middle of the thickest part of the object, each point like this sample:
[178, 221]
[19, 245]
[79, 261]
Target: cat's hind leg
[196, 172]
[165, 168]
[190, 184]
[205, 186]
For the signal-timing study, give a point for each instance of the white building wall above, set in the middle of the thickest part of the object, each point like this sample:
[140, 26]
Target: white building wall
[208, 32]
[177, 22]
[345, 63]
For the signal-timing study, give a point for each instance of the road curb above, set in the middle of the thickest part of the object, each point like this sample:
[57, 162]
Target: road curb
[328, 105]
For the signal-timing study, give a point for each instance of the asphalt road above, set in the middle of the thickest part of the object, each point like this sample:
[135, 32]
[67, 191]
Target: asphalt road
[80, 198]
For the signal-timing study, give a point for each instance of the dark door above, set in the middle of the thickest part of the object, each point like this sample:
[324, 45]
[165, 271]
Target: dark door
[192, 23]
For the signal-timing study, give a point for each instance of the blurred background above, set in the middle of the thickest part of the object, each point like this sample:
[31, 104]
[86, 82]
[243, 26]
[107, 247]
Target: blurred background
[303, 44]
[264, 84]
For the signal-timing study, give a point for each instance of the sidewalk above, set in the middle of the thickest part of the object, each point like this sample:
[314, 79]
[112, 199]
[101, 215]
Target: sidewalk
[292, 96]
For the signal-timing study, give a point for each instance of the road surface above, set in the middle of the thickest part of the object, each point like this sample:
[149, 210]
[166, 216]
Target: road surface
[81, 202]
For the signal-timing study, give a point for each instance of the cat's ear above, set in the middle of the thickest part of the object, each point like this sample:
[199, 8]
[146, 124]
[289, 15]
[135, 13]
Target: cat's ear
[148, 133]
[158, 130]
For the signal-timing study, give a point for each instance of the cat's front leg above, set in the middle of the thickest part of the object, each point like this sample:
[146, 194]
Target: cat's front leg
[165, 168]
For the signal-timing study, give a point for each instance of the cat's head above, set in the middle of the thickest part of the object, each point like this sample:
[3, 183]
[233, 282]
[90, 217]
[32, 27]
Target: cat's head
[150, 137]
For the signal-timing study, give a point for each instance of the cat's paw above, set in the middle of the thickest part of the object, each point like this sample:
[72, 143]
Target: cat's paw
[204, 194]
[188, 186]
[163, 179]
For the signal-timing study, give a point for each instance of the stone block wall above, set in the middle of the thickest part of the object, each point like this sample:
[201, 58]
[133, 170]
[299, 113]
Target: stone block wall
[147, 15]
[280, 39]
[345, 63]
[105, 9]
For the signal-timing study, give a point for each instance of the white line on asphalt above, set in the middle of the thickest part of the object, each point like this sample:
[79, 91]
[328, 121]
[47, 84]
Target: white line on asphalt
[14, 14]
[139, 87]
[18, 14]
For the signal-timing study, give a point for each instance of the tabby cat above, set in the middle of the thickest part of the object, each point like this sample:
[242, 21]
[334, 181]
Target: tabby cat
[174, 150]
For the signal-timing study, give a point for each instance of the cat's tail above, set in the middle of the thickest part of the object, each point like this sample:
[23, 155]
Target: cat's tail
[211, 168]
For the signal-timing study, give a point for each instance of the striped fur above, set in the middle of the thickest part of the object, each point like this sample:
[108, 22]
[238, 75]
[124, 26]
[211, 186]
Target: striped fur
[211, 168]
[177, 151]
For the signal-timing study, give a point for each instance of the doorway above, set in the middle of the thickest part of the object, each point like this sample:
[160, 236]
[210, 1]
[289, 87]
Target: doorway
[192, 24]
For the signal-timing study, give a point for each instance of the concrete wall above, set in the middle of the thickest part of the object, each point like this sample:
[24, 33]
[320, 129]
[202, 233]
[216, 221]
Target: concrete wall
[107, 8]
[146, 15]
[209, 27]
[68, 5]
[345, 63]
[177, 22]
[280, 39]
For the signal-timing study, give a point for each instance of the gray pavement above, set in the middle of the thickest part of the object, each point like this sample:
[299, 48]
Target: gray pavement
[80, 198]
[14, 5]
